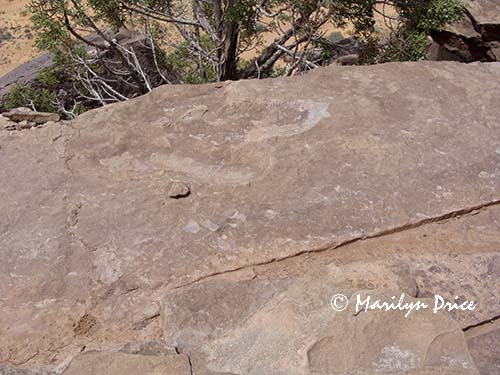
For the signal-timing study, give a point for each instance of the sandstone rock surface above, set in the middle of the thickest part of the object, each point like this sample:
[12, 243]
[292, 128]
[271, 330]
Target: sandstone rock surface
[485, 349]
[382, 180]
[9, 370]
[296, 331]
[95, 363]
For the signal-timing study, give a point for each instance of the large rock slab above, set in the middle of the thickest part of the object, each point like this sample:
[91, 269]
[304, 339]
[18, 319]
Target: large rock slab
[298, 332]
[90, 240]
[198, 314]
[285, 324]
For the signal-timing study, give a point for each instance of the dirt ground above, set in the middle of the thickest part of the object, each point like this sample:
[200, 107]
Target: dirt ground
[16, 35]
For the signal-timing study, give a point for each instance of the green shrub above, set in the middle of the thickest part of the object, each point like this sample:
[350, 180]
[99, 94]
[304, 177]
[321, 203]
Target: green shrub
[38, 99]
[48, 78]
[188, 66]
[409, 42]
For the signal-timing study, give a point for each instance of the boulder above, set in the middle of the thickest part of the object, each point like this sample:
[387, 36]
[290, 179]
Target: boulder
[28, 116]
[476, 37]
[378, 179]
[345, 51]
[348, 60]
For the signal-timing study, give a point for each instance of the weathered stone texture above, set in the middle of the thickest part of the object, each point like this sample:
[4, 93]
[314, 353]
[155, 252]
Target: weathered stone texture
[388, 175]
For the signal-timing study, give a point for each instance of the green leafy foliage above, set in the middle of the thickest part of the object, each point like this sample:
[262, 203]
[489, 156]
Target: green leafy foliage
[189, 67]
[409, 42]
[38, 99]
[46, 93]
[203, 41]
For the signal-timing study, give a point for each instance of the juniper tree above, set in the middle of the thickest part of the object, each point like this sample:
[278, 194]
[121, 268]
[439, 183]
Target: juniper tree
[204, 40]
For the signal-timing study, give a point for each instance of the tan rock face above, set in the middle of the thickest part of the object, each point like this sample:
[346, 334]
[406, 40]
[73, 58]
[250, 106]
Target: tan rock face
[387, 175]
[294, 329]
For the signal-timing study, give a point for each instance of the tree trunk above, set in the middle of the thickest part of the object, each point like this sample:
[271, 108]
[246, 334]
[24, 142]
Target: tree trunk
[230, 58]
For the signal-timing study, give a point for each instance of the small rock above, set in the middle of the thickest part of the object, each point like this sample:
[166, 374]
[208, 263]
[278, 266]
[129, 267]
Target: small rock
[179, 190]
[24, 125]
[352, 59]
